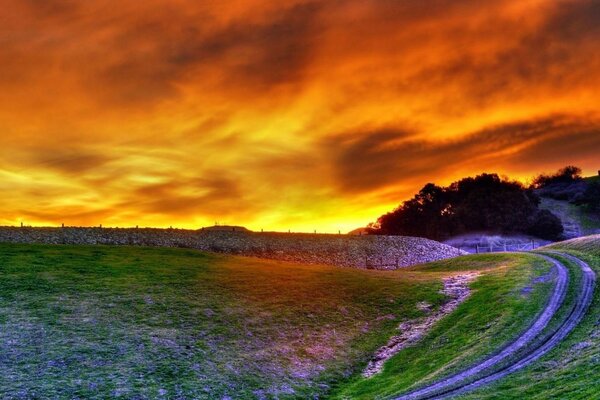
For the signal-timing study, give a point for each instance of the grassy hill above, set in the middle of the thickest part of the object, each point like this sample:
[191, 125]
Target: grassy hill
[576, 220]
[125, 322]
[513, 289]
[572, 370]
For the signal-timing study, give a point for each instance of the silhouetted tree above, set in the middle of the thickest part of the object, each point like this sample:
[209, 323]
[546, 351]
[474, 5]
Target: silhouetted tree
[568, 174]
[546, 225]
[486, 202]
[489, 202]
[591, 197]
[423, 215]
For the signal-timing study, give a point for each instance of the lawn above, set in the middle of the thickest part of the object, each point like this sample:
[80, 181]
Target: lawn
[571, 370]
[504, 302]
[96, 322]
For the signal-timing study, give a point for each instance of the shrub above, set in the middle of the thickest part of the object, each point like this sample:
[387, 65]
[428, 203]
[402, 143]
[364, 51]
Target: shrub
[591, 197]
[567, 174]
[546, 225]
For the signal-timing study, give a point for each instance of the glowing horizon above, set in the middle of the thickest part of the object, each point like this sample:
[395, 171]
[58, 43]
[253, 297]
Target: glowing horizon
[309, 115]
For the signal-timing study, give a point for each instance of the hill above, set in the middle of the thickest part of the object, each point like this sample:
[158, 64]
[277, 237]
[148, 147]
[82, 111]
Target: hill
[572, 369]
[577, 220]
[561, 362]
[381, 252]
[574, 199]
[136, 322]
[226, 228]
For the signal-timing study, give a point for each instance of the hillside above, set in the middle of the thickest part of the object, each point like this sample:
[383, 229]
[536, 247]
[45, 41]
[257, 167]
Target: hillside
[100, 322]
[574, 199]
[379, 252]
[572, 370]
[105, 321]
[576, 220]
[560, 361]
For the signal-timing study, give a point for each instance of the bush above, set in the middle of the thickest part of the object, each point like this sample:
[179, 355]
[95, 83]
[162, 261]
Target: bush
[590, 198]
[546, 225]
[566, 191]
[568, 174]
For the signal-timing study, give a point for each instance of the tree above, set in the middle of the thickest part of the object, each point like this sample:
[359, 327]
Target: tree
[423, 215]
[591, 197]
[568, 174]
[488, 202]
[484, 203]
[546, 225]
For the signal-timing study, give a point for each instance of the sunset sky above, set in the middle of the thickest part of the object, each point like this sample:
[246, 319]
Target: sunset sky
[283, 115]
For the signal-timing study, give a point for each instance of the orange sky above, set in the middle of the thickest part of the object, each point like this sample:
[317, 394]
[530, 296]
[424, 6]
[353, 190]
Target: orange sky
[283, 115]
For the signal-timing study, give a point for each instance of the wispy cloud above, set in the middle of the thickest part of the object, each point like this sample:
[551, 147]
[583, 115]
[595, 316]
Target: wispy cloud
[302, 114]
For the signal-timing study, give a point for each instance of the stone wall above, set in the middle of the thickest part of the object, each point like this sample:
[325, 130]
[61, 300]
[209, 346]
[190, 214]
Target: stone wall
[380, 252]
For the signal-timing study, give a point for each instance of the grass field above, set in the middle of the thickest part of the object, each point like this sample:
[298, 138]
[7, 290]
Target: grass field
[587, 223]
[572, 370]
[504, 302]
[99, 321]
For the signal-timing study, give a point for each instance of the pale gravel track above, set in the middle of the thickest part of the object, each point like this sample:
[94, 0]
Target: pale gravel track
[525, 349]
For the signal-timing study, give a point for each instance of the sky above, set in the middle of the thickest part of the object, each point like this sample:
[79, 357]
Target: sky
[283, 115]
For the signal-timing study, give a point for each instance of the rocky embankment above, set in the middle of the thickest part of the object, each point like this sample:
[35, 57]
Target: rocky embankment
[378, 252]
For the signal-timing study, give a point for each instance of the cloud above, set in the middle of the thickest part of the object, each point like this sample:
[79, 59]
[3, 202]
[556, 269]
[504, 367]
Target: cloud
[155, 56]
[367, 161]
[69, 160]
[284, 113]
[216, 195]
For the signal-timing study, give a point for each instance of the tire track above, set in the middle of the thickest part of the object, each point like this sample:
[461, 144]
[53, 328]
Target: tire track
[524, 349]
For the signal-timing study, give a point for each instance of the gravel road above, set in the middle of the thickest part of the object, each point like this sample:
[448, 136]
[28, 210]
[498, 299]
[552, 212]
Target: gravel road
[527, 348]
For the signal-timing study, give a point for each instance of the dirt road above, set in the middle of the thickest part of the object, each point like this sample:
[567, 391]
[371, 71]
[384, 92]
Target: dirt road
[527, 348]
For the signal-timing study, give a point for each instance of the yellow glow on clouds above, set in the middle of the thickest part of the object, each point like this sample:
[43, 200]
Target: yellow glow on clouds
[304, 115]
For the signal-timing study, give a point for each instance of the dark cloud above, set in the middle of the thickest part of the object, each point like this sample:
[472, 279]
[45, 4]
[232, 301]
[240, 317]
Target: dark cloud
[67, 160]
[366, 161]
[248, 56]
[68, 215]
[61, 9]
[579, 145]
[267, 53]
[574, 20]
[530, 63]
[214, 195]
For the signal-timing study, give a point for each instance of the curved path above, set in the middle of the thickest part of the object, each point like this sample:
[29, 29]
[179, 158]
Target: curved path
[525, 349]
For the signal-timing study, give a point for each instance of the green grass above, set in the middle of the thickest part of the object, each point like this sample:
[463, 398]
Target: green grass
[503, 303]
[588, 222]
[572, 369]
[101, 322]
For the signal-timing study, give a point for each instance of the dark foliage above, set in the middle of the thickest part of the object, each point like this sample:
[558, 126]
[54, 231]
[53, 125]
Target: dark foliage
[486, 202]
[566, 175]
[565, 191]
[567, 185]
[590, 197]
[546, 225]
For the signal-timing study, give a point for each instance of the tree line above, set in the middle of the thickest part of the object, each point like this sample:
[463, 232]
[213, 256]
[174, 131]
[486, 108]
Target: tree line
[486, 202]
